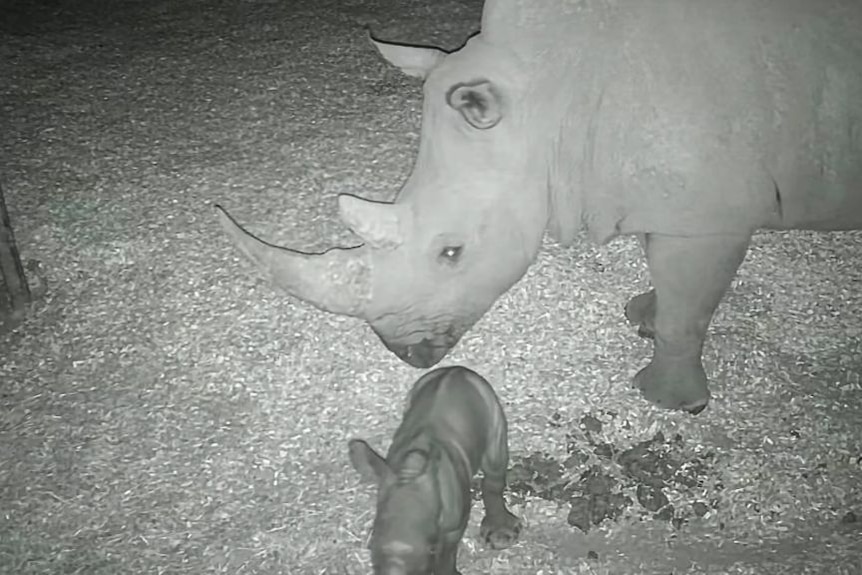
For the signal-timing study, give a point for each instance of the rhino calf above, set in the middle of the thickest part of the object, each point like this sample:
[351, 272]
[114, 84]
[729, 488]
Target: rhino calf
[453, 425]
[688, 123]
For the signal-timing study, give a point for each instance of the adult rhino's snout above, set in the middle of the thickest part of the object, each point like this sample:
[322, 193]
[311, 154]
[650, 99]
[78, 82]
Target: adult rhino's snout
[339, 281]
[427, 353]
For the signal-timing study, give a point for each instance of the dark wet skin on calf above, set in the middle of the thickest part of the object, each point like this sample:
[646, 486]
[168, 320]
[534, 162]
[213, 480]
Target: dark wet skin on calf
[453, 426]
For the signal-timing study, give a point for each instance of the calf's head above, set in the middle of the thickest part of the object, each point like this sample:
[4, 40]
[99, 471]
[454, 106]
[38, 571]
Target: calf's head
[405, 532]
[464, 228]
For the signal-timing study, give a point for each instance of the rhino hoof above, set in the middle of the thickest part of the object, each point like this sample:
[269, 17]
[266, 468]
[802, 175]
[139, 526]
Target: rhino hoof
[674, 385]
[500, 532]
[640, 311]
[695, 409]
[645, 333]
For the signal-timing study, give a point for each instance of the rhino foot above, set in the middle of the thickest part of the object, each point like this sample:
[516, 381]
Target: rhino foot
[500, 532]
[640, 311]
[671, 383]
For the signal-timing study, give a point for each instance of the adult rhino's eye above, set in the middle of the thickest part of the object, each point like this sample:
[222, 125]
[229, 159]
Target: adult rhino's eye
[451, 254]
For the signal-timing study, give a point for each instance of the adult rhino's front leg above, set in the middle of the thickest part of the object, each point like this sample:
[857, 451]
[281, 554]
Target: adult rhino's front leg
[690, 275]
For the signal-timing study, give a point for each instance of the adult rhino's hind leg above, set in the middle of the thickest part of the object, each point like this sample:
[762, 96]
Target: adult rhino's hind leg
[640, 310]
[690, 275]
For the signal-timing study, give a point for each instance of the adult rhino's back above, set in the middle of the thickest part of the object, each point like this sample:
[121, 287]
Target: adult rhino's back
[702, 117]
[806, 57]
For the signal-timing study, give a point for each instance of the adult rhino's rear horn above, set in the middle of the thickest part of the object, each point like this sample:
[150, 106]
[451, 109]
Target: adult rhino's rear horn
[337, 281]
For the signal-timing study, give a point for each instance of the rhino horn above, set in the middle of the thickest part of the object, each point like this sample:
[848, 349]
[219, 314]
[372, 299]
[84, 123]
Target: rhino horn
[337, 281]
[379, 224]
[416, 61]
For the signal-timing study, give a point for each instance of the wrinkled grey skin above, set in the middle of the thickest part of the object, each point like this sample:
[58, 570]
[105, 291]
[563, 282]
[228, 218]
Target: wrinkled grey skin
[688, 123]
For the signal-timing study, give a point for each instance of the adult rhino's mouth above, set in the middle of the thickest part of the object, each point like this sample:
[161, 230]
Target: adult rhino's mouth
[424, 354]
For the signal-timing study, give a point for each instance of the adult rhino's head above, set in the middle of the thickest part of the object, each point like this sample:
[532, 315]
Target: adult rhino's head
[465, 226]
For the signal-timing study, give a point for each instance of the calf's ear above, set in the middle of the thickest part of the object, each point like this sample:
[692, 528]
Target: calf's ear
[371, 465]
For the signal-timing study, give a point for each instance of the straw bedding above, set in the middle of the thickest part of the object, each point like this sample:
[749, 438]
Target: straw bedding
[164, 410]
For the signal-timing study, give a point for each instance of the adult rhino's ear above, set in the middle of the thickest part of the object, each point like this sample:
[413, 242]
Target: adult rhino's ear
[416, 61]
[379, 224]
[479, 102]
[372, 467]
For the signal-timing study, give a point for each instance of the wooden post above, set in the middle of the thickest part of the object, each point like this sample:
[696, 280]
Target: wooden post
[10, 262]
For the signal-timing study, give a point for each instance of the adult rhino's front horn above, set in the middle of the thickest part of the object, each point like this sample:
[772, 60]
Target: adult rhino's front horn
[336, 281]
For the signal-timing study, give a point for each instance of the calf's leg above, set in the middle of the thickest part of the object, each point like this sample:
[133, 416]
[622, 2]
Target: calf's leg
[445, 562]
[500, 528]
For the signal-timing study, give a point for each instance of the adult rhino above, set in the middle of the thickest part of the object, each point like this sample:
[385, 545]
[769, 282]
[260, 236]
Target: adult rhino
[689, 123]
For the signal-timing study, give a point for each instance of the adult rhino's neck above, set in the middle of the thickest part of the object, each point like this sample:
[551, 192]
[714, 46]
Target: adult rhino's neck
[566, 116]
[536, 29]
[563, 44]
